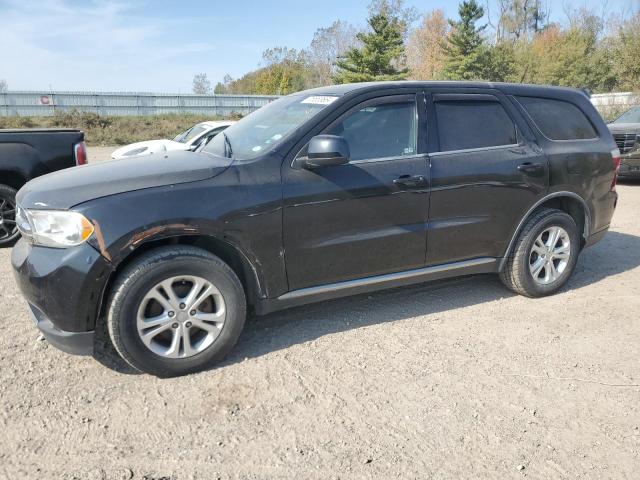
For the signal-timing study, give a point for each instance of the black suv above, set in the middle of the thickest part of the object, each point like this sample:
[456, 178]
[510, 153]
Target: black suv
[626, 133]
[325, 193]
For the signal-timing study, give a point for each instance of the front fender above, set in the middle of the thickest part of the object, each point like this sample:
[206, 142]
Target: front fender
[248, 224]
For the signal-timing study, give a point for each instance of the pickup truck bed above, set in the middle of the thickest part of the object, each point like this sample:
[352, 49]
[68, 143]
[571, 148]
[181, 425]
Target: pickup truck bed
[29, 153]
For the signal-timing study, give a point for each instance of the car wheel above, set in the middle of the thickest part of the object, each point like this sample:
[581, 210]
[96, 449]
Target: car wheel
[9, 233]
[176, 310]
[544, 256]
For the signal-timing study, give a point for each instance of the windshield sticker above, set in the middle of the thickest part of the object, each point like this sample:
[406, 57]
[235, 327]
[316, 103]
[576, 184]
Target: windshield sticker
[320, 100]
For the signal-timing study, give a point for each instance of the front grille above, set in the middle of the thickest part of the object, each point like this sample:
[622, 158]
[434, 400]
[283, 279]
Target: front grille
[625, 141]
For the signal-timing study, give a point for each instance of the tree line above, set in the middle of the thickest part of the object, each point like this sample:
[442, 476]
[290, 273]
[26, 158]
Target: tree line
[501, 40]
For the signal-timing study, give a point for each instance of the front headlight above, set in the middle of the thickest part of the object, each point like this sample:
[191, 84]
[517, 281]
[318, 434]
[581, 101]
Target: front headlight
[22, 221]
[54, 228]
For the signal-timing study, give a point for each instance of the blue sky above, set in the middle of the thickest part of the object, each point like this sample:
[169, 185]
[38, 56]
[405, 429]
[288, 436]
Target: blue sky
[147, 45]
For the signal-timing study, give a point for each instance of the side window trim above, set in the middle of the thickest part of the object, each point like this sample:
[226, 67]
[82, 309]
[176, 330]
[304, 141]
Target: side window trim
[387, 159]
[462, 97]
[478, 149]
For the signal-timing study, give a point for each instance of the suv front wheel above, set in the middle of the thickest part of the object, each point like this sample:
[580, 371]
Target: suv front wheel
[176, 310]
[544, 256]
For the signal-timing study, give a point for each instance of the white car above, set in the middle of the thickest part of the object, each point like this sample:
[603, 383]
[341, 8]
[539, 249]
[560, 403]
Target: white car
[190, 140]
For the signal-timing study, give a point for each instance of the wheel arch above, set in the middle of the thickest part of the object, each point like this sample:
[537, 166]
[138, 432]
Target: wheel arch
[13, 179]
[569, 202]
[228, 253]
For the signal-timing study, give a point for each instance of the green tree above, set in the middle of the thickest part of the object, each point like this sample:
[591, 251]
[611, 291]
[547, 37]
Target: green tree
[499, 63]
[284, 73]
[381, 54]
[406, 16]
[626, 54]
[465, 47]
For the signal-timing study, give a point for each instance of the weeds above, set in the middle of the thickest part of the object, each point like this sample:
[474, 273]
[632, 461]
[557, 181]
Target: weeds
[107, 131]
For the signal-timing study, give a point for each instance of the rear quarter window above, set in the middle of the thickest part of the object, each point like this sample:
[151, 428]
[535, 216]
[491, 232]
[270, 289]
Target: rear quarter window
[557, 119]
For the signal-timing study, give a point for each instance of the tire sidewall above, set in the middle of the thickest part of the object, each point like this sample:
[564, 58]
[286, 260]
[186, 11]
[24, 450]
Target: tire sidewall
[124, 309]
[558, 219]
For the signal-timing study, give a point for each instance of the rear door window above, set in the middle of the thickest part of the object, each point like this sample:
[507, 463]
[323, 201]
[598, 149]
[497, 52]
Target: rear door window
[468, 124]
[557, 119]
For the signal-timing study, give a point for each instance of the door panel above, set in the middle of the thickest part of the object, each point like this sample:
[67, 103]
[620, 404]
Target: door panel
[476, 199]
[365, 218]
[479, 194]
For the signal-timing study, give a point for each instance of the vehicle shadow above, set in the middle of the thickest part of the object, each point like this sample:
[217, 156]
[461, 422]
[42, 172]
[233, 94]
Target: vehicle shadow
[629, 181]
[616, 253]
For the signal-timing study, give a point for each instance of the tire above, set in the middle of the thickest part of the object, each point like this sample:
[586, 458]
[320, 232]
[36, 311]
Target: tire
[524, 259]
[135, 296]
[9, 234]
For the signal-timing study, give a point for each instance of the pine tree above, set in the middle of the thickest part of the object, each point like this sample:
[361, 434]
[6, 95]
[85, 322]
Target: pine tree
[381, 53]
[465, 49]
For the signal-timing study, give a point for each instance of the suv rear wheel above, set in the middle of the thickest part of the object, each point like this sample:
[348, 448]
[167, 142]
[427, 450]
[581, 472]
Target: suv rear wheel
[176, 310]
[8, 230]
[544, 256]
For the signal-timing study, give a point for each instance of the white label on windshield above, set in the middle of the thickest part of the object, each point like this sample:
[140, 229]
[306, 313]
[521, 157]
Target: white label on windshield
[320, 100]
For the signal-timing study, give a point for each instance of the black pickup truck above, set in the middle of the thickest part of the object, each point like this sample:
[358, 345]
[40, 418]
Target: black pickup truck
[27, 154]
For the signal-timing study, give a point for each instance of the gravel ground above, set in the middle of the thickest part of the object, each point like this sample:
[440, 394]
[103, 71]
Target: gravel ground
[99, 154]
[456, 380]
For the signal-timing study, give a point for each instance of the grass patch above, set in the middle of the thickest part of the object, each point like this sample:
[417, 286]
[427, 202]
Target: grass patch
[107, 131]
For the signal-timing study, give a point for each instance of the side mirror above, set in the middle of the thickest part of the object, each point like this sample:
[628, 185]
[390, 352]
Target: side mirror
[325, 151]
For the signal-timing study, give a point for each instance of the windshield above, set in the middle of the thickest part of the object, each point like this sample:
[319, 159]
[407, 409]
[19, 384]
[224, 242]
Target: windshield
[266, 127]
[190, 134]
[630, 116]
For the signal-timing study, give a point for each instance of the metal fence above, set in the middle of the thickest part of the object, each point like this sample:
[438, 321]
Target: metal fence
[29, 104]
[613, 104]
[33, 103]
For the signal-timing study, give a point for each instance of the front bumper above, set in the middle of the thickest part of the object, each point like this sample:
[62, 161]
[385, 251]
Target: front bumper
[75, 343]
[630, 164]
[63, 289]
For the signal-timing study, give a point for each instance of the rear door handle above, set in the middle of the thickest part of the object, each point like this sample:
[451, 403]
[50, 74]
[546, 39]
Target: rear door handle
[410, 181]
[529, 168]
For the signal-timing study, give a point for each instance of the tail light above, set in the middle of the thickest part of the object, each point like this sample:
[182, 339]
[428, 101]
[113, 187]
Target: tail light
[80, 151]
[615, 157]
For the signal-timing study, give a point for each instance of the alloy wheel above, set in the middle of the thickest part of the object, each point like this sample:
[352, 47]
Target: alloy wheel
[181, 316]
[8, 227]
[550, 255]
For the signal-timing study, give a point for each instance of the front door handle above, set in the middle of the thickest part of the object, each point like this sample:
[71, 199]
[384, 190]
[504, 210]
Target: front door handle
[534, 169]
[410, 181]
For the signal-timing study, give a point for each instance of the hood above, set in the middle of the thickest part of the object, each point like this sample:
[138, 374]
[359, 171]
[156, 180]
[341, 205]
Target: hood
[624, 127]
[66, 188]
[152, 146]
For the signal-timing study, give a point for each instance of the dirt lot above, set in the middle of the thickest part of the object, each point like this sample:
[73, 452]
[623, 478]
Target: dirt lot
[461, 380]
